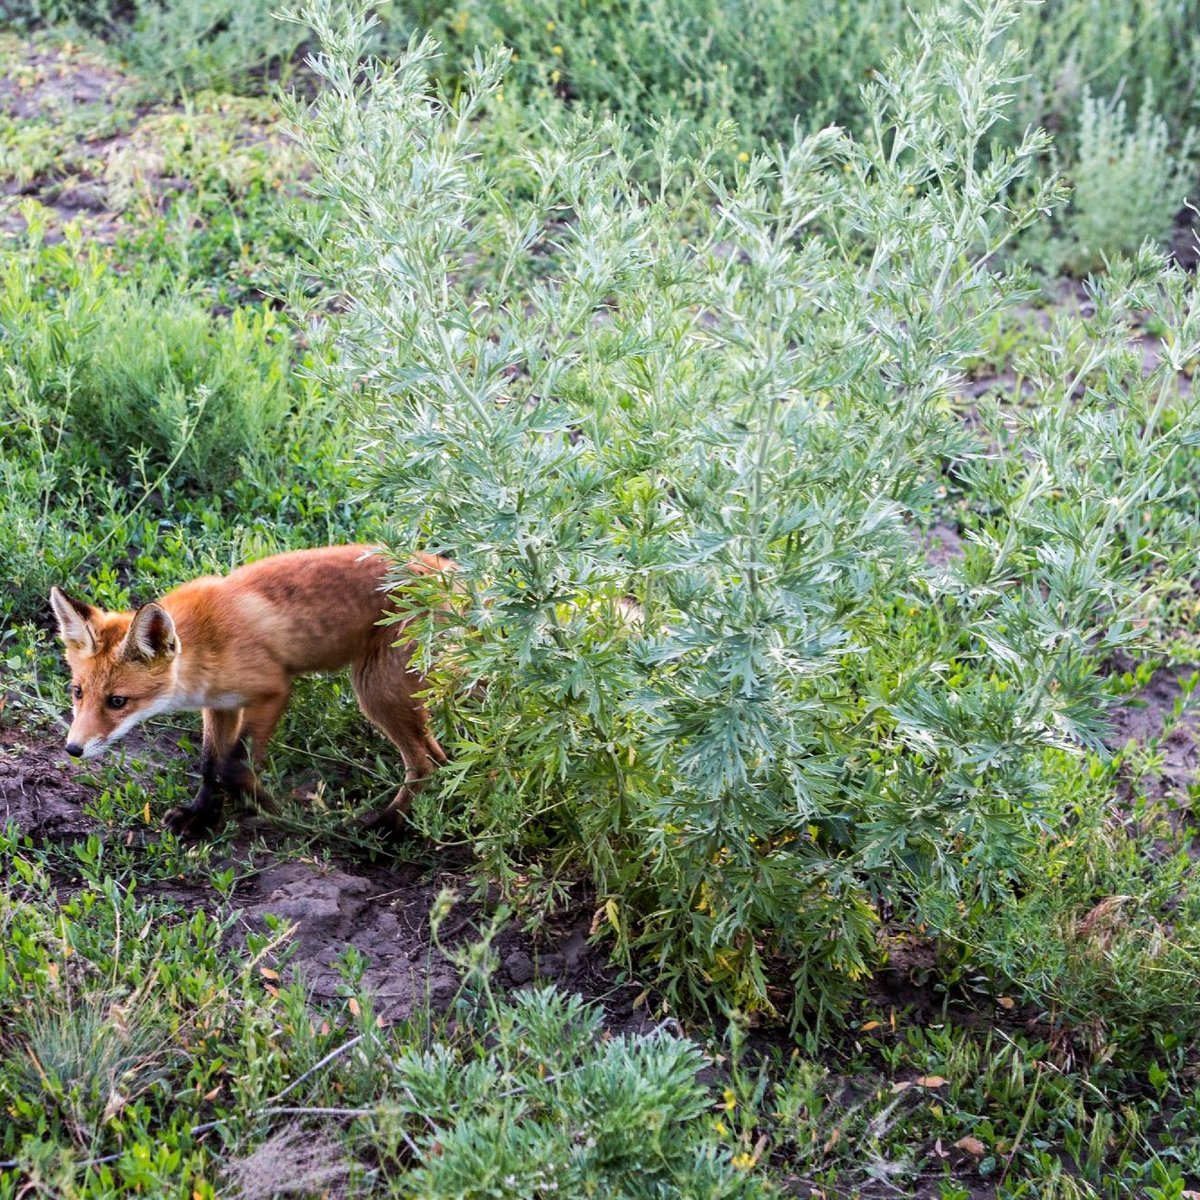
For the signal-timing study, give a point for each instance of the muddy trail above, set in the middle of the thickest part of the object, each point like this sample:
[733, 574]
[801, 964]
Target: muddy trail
[333, 904]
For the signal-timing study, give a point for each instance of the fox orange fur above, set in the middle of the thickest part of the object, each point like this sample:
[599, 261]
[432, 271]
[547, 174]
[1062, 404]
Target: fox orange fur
[232, 646]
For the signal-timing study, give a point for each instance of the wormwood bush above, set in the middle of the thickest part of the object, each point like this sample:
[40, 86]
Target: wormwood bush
[557, 1109]
[1142, 49]
[735, 403]
[1128, 182]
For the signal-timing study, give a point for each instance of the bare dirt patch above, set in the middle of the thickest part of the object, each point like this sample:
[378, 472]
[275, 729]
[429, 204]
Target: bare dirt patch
[1148, 718]
[96, 150]
[381, 911]
[383, 914]
[51, 80]
[943, 545]
[38, 793]
[1185, 238]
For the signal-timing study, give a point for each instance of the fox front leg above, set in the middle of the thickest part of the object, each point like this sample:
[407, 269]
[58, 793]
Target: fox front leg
[220, 769]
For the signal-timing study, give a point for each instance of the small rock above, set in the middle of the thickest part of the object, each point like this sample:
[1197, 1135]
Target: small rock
[519, 967]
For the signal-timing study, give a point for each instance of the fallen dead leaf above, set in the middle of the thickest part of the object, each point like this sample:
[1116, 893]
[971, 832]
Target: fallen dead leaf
[116, 1102]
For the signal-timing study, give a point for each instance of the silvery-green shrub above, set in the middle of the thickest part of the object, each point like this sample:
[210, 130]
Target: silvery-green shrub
[1128, 182]
[735, 403]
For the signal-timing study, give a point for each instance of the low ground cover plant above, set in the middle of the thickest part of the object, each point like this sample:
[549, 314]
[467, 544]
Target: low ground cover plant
[1129, 180]
[767, 64]
[176, 46]
[113, 389]
[142, 1053]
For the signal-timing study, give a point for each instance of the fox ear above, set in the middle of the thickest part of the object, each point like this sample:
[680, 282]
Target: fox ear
[151, 634]
[74, 621]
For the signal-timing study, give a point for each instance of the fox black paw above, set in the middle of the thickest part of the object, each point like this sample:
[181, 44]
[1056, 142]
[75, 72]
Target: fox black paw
[195, 821]
[388, 824]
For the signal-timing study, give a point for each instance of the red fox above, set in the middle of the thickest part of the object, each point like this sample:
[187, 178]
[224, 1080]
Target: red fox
[232, 646]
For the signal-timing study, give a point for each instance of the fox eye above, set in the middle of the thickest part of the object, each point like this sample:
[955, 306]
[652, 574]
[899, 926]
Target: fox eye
[77, 691]
[117, 701]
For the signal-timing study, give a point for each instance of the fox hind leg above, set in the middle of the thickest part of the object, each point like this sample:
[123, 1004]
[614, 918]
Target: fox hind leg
[259, 721]
[385, 689]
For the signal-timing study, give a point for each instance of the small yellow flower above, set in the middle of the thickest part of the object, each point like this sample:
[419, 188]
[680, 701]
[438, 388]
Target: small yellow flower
[461, 21]
[555, 76]
[743, 1161]
[719, 1126]
[730, 1100]
[743, 157]
[550, 26]
[557, 50]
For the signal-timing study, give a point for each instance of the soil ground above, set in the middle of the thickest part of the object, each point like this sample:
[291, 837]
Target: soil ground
[381, 911]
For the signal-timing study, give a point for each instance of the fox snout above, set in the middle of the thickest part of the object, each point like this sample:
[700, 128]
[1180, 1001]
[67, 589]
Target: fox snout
[88, 748]
[84, 740]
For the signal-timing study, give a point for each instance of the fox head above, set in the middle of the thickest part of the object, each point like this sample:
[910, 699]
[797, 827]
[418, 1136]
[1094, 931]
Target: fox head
[123, 669]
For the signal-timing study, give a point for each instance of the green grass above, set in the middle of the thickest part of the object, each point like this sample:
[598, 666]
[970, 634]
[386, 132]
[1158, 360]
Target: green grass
[146, 1051]
[143, 1047]
[1000, 986]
